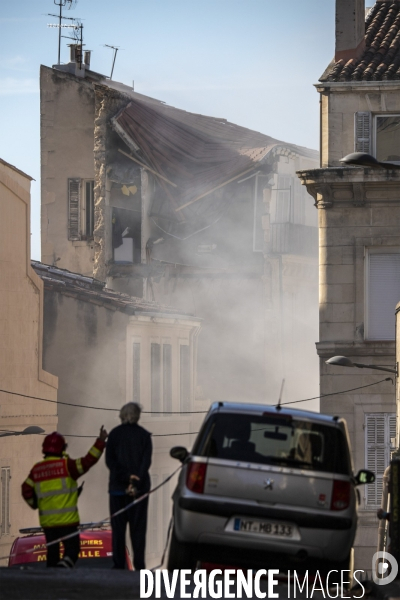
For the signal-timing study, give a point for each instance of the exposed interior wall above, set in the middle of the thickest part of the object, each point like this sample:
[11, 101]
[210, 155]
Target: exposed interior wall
[21, 305]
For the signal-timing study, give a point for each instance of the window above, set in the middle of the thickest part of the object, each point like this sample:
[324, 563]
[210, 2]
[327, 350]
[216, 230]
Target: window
[184, 377]
[5, 500]
[161, 377]
[136, 372]
[88, 209]
[379, 135]
[387, 138]
[382, 292]
[80, 209]
[380, 438]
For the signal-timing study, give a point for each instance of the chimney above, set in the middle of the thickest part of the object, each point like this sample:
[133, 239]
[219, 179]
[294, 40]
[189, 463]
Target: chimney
[350, 29]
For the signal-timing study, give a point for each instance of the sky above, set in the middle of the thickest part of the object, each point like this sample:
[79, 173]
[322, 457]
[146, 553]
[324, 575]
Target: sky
[253, 62]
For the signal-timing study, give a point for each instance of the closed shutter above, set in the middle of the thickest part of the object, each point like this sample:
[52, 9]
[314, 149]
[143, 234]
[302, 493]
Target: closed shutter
[362, 126]
[184, 371]
[5, 500]
[379, 430]
[383, 294]
[392, 433]
[74, 186]
[283, 199]
[155, 377]
[136, 372]
[167, 377]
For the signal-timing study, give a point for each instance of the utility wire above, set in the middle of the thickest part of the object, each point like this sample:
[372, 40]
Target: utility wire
[361, 387]
[185, 412]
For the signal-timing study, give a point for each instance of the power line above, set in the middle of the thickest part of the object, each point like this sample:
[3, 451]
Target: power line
[185, 412]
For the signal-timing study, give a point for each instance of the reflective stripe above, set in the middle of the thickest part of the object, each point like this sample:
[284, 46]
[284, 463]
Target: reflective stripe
[57, 511]
[95, 452]
[65, 489]
[79, 467]
[30, 482]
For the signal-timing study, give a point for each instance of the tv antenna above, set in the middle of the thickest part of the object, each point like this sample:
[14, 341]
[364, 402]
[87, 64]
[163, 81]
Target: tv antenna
[61, 3]
[115, 48]
[278, 406]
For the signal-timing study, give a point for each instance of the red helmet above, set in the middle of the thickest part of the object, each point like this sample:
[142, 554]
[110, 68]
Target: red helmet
[54, 443]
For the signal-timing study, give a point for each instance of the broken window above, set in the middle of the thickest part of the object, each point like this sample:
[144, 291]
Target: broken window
[126, 222]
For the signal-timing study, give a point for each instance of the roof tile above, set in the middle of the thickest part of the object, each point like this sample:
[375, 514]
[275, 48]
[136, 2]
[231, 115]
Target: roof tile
[381, 58]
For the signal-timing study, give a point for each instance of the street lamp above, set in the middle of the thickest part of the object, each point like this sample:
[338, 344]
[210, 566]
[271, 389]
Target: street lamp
[362, 159]
[343, 361]
[31, 430]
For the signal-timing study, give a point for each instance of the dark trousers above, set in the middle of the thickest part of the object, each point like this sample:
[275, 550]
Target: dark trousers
[136, 516]
[71, 546]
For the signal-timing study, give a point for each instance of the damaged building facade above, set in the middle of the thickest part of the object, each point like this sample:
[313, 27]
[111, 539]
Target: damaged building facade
[359, 219]
[188, 211]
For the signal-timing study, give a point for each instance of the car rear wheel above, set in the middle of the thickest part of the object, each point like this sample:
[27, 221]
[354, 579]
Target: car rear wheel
[181, 554]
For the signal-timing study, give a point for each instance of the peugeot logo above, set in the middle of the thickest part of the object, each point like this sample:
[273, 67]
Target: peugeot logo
[268, 484]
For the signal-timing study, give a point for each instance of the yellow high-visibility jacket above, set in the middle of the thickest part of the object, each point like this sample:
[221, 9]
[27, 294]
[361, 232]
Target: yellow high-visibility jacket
[51, 486]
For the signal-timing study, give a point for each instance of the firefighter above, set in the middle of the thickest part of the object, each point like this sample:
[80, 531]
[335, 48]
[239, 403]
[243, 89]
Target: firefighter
[51, 487]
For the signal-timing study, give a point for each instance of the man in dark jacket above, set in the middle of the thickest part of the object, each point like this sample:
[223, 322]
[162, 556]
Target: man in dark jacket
[128, 456]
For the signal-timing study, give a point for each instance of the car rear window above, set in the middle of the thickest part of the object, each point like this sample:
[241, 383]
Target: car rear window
[275, 439]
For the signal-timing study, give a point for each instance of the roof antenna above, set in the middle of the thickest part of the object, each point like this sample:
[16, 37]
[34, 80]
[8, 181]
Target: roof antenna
[115, 48]
[278, 406]
[70, 4]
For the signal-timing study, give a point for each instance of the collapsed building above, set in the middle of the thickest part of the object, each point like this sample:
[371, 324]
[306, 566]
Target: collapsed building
[189, 211]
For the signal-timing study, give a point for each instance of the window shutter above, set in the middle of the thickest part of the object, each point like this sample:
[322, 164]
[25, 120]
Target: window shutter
[5, 501]
[73, 209]
[383, 295]
[167, 377]
[136, 372]
[155, 377]
[362, 132]
[379, 430]
[184, 369]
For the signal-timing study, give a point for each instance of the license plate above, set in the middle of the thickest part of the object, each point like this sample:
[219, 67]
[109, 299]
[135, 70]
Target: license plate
[277, 529]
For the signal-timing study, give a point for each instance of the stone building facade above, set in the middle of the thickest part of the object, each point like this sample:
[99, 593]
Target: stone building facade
[22, 377]
[359, 239]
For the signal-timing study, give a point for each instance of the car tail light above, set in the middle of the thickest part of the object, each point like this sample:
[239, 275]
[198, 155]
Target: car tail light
[196, 476]
[340, 495]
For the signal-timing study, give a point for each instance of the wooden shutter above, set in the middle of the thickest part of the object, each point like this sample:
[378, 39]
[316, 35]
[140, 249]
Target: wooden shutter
[167, 377]
[136, 372]
[383, 294]
[155, 377]
[362, 127]
[379, 430]
[5, 501]
[184, 371]
[74, 186]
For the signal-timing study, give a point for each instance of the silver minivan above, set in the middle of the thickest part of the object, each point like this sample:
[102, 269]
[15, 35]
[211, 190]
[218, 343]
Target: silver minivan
[266, 485]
